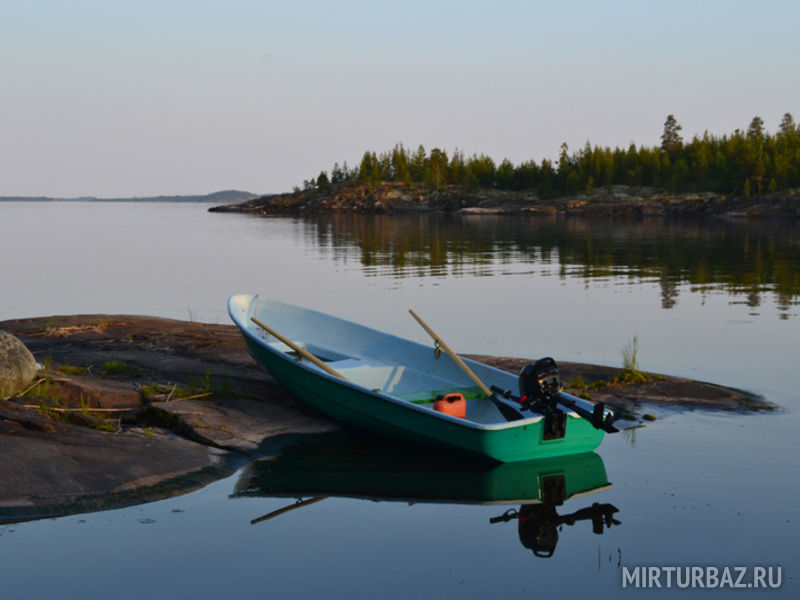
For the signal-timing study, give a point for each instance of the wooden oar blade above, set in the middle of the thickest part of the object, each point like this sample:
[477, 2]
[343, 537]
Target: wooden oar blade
[509, 412]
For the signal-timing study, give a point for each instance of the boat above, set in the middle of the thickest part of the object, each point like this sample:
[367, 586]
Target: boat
[396, 387]
[364, 468]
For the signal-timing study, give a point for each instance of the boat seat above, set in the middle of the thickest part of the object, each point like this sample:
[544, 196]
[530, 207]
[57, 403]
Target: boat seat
[324, 354]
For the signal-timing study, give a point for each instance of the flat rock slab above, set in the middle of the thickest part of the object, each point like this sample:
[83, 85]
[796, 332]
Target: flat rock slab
[187, 404]
[163, 444]
[241, 424]
[50, 468]
[658, 392]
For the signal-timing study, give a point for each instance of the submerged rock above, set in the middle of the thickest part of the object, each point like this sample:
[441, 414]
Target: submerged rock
[17, 365]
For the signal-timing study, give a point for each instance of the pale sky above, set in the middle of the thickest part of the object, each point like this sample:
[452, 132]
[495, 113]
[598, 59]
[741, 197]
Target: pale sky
[107, 98]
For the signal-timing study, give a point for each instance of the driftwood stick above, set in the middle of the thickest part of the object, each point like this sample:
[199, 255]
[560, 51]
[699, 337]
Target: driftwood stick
[66, 410]
[195, 397]
[30, 387]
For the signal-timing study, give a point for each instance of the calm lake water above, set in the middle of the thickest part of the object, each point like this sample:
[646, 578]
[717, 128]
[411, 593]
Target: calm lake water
[716, 301]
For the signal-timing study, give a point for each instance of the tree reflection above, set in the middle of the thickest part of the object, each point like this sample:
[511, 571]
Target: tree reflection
[742, 258]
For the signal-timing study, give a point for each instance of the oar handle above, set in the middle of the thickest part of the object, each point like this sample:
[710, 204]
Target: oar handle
[301, 351]
[456, 358]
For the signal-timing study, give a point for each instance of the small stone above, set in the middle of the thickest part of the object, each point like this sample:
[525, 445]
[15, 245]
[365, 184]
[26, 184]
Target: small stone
[17, 365]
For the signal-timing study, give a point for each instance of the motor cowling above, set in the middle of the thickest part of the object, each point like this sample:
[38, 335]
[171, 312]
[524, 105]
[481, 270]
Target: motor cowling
[539, 384]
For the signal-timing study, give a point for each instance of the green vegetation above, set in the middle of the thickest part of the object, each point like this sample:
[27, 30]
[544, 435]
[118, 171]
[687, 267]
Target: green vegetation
[196, 389]
[746, 163]
[579, 385]
[115, 367]
[630, 360]
[72, 370]
[49, 402]
[158, 392]
[630, 373]
[104, 323]
[627, 377]
[106, 424]
[630, 365]
[43, 389]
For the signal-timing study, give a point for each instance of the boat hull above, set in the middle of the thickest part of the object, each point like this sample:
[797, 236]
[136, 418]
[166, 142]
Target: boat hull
[384, 414]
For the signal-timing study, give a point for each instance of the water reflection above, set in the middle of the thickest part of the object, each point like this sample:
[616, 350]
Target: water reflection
[366, 468]
[743, 258]
[539, 523]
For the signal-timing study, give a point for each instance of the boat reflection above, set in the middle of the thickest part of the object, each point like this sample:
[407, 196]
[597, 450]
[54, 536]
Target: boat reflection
[366, 468]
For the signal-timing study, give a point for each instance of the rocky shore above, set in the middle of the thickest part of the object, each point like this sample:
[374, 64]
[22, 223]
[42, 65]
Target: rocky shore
[618, 200]
[129, 409]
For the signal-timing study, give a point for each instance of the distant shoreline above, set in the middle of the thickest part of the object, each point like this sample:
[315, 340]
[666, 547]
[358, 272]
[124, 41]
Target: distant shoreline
[215, 197]
[614, 200]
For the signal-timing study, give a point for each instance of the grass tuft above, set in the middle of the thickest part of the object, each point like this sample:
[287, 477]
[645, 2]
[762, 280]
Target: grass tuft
[72, 370]
[115, 367]
[630, 351]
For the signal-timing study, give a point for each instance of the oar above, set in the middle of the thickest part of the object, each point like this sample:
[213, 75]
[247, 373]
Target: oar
[508, 412]
[285, 509]
[301, 351]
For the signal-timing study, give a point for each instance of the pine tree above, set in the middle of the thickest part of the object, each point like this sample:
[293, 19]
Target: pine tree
[671, 138]
[749, 162]
[437, 171]
[418, 165]
[505, 175]
[787, 126]
[756, 129]
[337, 175]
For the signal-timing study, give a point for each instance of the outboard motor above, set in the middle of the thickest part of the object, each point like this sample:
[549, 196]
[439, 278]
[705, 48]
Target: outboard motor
[539, 384]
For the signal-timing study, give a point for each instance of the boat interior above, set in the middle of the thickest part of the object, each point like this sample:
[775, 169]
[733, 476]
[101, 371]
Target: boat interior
[378, 361]
[403, 381]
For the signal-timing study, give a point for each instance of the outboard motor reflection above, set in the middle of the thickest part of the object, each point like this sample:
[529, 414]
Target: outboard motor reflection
[538, 524]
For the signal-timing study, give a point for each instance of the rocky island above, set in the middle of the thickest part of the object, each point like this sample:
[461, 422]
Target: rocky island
[615, 200]
[750, 173]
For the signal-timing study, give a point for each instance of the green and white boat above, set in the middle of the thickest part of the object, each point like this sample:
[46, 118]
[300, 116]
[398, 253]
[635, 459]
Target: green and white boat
[389, 386]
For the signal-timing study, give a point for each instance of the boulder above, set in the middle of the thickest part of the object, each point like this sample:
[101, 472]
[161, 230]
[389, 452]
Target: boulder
[17, 365]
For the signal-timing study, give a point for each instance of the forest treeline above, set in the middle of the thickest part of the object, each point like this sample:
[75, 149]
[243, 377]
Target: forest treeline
[747, 163]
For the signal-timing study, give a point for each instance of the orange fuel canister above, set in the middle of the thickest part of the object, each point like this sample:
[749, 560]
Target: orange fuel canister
[451, 404]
